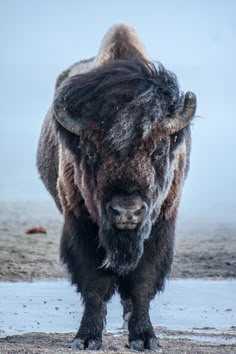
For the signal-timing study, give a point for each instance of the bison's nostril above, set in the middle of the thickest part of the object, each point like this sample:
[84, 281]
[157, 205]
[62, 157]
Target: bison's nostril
[113, 211]
[140, 211]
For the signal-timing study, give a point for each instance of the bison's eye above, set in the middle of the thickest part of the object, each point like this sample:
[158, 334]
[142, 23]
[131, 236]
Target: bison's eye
[159, 152]
[91, 152]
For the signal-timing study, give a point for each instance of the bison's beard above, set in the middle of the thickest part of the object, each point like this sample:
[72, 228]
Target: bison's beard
[124, 248]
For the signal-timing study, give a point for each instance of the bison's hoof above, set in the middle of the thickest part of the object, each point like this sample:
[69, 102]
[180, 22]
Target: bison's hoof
[90, 344]
[152, 344]
[77, 344]
[137, 344]
[93, 344]
[140, 345]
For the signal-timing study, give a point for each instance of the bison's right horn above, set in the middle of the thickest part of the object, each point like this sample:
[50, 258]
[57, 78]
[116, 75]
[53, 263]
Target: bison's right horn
[62, 115]
[172, 125]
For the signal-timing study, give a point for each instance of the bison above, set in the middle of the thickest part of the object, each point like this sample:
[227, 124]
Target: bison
[114, 153]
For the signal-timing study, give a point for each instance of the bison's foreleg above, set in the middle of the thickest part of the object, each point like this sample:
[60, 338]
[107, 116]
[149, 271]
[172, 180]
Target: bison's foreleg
[141, 333]
[80, 252]
[89, 335]
[95, 293]
[136, 300]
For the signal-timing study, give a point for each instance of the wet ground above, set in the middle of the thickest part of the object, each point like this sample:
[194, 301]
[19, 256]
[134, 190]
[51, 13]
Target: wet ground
[193, 311]
[185, 305]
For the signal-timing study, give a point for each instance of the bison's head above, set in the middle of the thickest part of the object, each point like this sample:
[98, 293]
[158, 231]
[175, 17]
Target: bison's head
[122, 124]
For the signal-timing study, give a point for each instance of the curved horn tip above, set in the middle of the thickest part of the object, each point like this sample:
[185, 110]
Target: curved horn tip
[190, 105]
[190, 96]
[62, 116]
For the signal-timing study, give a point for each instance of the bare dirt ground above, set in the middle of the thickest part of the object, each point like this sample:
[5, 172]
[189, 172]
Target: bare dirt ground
[202, 251]
[35, 343]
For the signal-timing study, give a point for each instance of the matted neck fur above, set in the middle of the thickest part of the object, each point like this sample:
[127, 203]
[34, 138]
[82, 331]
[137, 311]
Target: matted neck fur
[114, 154]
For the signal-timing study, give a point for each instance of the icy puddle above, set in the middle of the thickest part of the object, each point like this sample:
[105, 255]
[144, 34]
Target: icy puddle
[205, 309]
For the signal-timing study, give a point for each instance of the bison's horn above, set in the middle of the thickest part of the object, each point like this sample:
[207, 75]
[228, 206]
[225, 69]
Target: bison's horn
[171, 125]
[62, 115]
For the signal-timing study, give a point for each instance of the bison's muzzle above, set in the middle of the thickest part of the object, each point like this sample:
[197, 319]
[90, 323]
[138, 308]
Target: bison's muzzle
[124, 225]
[126, 212]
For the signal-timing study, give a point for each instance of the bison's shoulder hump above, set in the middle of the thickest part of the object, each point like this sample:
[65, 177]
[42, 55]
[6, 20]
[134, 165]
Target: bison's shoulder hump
[120, 42]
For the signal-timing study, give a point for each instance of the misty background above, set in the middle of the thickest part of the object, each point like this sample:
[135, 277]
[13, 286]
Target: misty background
[194, 39]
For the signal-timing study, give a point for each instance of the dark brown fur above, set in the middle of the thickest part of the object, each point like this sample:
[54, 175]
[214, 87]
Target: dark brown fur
[117, 98]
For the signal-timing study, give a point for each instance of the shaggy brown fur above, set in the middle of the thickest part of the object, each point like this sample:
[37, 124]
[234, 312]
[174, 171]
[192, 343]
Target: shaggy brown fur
[117, 177]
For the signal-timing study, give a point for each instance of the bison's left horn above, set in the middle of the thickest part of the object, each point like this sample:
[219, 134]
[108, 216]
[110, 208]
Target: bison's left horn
[62, 116]
[171, 125]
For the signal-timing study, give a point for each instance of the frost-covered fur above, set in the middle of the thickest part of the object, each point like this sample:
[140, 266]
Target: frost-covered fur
[117, 99]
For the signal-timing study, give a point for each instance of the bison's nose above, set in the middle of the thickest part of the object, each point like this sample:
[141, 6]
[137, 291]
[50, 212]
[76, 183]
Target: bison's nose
[126, 212]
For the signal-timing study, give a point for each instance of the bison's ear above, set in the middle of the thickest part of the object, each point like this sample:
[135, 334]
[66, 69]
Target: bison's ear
[63, 117]
[172, 125]
[120, 42]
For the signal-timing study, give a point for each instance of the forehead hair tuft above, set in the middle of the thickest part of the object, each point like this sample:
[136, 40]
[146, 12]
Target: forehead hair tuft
[126, 98]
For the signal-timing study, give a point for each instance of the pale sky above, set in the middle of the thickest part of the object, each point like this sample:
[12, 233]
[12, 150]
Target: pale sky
[195, 39]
